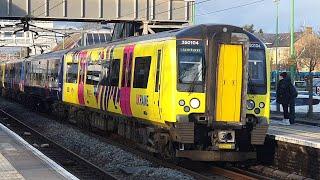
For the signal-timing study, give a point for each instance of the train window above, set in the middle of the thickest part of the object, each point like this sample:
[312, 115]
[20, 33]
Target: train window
[141, 72]
[158, 71]
[124, 73]
[115, 72]
[256, 67]
[72, 72]
[38, 79]
[190, 64]
[52, 74]
[104, 72]
[93, 73]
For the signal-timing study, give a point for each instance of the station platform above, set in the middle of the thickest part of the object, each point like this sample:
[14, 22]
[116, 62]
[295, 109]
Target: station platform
[19, 160]
[300, 118]
[300, 134]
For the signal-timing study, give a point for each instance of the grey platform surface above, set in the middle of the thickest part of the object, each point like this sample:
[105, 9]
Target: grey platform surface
[19, 160]
[300, 134]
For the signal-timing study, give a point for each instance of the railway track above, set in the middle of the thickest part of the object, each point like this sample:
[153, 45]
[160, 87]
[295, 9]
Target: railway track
[237, 173]
[198, 170]
[73, 163]
[86, 170]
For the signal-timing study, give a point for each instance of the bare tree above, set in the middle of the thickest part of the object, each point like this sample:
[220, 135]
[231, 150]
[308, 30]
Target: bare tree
[308, 55]
[249, 28]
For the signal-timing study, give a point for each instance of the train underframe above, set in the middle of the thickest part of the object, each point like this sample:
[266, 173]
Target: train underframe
[189, 138]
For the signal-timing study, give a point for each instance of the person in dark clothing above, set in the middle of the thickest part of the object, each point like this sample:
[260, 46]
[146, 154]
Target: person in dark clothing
[286, 95]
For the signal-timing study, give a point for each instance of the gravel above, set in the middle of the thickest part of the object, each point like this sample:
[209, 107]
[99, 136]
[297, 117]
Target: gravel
[109, 157]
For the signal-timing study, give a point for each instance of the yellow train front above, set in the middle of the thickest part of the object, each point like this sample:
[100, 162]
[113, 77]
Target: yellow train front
[196, 93]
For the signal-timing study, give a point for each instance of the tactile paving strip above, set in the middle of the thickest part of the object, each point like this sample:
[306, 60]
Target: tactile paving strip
[7, 171]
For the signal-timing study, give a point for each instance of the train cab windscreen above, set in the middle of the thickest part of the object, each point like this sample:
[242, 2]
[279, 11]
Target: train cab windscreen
[190, 67]
[257, 72]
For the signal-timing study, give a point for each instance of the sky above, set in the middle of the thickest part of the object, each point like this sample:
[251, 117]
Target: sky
[261, 14]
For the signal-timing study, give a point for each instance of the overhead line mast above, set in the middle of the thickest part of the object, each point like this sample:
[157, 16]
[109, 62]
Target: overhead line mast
[292, 50]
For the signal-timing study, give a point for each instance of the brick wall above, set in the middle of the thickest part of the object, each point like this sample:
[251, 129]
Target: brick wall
[291, 158]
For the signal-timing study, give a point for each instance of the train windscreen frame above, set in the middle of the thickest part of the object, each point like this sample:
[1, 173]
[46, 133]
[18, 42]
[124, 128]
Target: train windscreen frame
[257, 71]
[190, 55]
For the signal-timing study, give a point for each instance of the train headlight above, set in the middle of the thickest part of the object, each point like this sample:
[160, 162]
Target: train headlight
[261, 105]
[186, 109]
[182, 102]
[195, 103]
[257, 110]
[250, 104]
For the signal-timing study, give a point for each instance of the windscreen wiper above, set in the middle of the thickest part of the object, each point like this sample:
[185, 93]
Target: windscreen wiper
[193, 84]
[251, 84]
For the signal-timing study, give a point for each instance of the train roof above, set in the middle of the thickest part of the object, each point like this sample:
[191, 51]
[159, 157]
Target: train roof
[195, 31]
[255, 40]
[54, 54]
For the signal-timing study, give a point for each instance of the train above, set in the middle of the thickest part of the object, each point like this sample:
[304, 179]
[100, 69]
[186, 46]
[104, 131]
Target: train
[201, 92]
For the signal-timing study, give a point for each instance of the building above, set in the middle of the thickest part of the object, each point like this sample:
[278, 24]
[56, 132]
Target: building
[284, 56]
[43, 41]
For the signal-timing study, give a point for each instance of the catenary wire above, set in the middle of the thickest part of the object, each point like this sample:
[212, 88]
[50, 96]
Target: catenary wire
[230, 8]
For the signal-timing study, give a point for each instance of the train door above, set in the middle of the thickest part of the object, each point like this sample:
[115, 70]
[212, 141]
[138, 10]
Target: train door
[110, 92]
[27, 79]
[60, 66]
[228, 95]
[22, 76]
[156, 94]
[70, 78]
[82, 70]
[126, 80]
[16, 67]
[7, 76]
[92, 76]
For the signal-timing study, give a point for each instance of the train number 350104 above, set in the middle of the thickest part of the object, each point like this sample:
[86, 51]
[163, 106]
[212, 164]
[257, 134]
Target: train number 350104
[185, 42]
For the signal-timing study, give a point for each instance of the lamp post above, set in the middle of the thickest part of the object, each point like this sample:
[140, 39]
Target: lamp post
[277, 44]
[292, 50]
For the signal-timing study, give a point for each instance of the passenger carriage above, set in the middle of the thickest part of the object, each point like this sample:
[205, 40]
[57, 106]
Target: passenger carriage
[196, 92]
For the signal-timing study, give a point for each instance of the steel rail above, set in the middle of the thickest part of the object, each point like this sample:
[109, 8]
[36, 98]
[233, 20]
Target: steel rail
[107, 175]
[231, 174]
